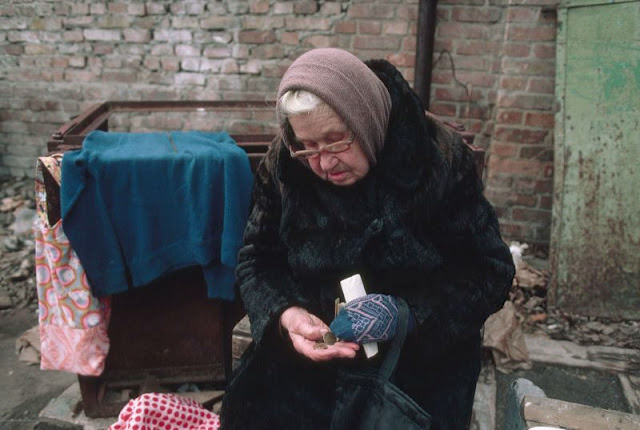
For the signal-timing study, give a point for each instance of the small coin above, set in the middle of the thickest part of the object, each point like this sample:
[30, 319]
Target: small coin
[329, 338]
[320, 345]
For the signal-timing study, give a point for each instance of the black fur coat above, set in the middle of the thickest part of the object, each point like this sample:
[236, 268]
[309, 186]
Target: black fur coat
[417, 226]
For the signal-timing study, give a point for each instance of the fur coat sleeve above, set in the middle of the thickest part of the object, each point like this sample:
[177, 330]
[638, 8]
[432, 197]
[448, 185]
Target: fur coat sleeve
[265, 283]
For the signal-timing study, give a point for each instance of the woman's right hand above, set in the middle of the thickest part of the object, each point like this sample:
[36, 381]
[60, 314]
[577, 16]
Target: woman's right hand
[305, 330]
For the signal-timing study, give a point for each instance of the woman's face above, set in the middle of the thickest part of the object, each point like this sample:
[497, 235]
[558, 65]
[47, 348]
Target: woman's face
[322, 127]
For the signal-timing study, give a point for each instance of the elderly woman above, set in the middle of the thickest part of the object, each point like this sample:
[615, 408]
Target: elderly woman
[360, 181]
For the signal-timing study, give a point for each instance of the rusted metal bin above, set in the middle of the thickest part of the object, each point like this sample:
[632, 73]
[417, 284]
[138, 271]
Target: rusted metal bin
[168, 333]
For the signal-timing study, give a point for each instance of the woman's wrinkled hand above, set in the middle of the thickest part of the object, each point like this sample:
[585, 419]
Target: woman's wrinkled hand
[305, 330]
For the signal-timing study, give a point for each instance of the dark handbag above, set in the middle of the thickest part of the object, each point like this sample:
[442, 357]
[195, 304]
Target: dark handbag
[369, 400]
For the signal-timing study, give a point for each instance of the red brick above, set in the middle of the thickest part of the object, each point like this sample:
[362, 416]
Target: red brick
[540, 119]
[395, 27]
[117, 7]
[499, 182]
[537, 152]
[371, 11]
[79, 76]
[13, 49]
[402, 59]
[526, 101]
[281, 8]
[348, 27]
[513, 83]
[307, 23]
[268, 51]
[72, 36]
[305, 7]
[544, 51]
[443, 109]
[290, 38]
[409, 44]
[170, 64]
[530, 215]
[259, 37]
[439, 76]
[529, 201]
[477, 80]
[60, 62]
[443, 13]
[474, 111]
[541, 85]
[486, 64]
[451, 94]
[259, 7]
[530, 33]
[217, 22]
[524, 185]
[485, 15]
[331, 8]
[472, 123]
[320, 41]
[512, 230]
[475, 47]
[546, 202]
[457, 30]
[519, 135]
[543, 187]
[522, 14]
[407, 12]
[498, 198]
[442, 45]
[517, 167]
[376, 42]
[512, 49]
[528, 67]
[119, 76]
[369, 27]
[505, 150]
[509, 117]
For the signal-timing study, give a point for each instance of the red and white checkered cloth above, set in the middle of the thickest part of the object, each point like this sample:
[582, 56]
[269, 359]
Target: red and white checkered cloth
[163, 411]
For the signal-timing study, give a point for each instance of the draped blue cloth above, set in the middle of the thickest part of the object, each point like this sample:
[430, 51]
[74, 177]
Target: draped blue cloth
[137, 206]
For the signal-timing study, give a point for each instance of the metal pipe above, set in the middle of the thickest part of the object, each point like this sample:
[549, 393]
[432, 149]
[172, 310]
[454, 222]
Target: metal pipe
[424, 49]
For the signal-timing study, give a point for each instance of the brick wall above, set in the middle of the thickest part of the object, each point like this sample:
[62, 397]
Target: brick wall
[493, 70]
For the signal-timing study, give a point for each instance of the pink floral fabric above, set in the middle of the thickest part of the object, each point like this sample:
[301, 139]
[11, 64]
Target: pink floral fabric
[72, 322]
[165, 411]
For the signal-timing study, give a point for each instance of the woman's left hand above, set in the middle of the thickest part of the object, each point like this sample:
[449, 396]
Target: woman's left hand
[305, 330]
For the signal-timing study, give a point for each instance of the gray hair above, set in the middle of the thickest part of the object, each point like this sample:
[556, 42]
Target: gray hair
[295, 102]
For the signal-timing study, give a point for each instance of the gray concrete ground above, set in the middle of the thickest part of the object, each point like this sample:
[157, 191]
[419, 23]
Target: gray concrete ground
[24, 390]
[44, 400]
[578, 385]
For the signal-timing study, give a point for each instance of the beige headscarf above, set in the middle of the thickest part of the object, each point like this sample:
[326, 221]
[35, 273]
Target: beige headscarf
[352, 90]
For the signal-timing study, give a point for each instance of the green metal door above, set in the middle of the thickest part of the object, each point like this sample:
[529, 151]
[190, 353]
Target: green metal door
[595, 243]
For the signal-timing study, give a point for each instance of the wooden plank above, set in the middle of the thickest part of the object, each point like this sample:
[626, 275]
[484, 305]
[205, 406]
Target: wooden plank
[484, 400]
[545, 350]
[206, 398]
[541, 411]
[631, 388]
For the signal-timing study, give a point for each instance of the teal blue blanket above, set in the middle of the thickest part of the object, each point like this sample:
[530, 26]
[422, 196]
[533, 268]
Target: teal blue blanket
[137, 206]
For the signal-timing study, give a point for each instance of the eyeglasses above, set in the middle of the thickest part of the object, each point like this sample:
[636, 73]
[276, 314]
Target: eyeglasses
[332, 148]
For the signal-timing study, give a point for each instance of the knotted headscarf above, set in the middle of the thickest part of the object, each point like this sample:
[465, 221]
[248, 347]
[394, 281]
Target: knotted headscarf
[349, 87]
